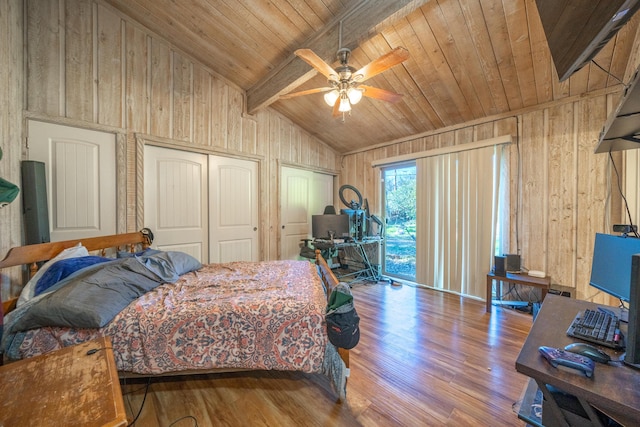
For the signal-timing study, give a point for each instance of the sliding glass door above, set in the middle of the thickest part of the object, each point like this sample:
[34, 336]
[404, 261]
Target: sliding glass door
[399, 253]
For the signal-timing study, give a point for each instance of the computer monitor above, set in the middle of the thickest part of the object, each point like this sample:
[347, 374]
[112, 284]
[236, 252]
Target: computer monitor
[611, 266]
[616, 271]
[324, 226]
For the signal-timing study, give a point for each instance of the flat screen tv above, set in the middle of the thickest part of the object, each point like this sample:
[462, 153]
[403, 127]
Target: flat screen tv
[576, 30]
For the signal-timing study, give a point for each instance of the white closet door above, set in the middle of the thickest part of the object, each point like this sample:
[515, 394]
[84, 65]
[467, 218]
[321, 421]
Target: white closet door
[233, 209]
[175, 200]
[80, 168]
[322, 191]
[302, 194]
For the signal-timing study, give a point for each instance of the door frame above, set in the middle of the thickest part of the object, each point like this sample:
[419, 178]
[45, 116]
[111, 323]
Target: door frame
[120, 160]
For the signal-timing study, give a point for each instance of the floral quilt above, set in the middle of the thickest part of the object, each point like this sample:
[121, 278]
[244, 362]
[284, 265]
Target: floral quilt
[239, 315]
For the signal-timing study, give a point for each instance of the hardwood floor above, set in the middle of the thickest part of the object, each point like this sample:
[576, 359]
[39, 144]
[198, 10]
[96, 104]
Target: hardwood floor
[424, 358]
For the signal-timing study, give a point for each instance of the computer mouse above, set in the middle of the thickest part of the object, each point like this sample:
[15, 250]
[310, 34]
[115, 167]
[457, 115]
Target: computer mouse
[588, 350]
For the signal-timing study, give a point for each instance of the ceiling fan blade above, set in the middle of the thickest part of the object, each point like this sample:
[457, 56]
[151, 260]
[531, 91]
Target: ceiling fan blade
[336, 106]
[308, 56]
[377, 93]
[386, 61]
[305, 92]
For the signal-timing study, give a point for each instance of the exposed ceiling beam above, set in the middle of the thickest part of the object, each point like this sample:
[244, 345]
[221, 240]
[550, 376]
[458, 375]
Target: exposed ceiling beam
[359, 23]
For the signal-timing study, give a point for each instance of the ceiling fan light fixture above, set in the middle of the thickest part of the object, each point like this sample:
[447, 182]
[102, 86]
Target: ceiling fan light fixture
[355, 95]
[331, 97]
[345, 105]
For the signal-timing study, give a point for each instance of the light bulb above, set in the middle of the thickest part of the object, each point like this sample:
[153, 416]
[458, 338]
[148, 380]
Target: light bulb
[344, 104]
[355, 95]
[331, 97]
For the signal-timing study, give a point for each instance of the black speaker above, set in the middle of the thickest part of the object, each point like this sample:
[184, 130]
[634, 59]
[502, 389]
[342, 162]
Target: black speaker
[500, 263]
[632, 356]
[513, 263]
[34, 203]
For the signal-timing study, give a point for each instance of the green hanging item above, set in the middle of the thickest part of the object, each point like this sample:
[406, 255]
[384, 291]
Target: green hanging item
[8, 192]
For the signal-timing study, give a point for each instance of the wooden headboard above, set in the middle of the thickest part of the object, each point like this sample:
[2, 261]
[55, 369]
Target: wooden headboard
[30, 255]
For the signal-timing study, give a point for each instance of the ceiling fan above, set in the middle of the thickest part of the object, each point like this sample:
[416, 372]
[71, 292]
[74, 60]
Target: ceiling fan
[345, 82]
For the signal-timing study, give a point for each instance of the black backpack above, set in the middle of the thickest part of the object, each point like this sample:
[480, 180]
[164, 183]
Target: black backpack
[343, 322]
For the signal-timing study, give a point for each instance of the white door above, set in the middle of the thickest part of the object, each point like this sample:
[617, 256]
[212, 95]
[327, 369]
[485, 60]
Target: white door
[233, 209]
[322, 192]
[80, 168]
[175, 200]
[302, 194]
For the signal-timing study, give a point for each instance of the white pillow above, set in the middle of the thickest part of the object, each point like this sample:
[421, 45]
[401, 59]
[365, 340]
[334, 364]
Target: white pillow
[29, 289]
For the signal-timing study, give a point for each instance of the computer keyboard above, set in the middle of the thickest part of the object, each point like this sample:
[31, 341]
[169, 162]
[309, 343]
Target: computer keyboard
[597, 327]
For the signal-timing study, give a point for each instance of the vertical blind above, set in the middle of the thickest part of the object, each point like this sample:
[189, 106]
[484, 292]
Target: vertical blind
[458, 203]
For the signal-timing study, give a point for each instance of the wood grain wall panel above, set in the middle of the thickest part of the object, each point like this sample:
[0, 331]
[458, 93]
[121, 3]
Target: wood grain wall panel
[182, 99]
[532, 215]
[540, 54]
[295, 145]
[79, 64]
[12, 83]
[161, 89]
[43, 58]
[219, 112]
[109, 73]
[234, 109]
[137, 80]
[496, 20]
[201, 106]
[249, 136]
[580, 82]
[561, 192]
[282, 148]
[592, 198]
[518, 29]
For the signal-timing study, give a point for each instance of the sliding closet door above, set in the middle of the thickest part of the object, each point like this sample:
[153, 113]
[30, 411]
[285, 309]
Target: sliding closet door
[175, 200]
[233, 209]
[80, 169]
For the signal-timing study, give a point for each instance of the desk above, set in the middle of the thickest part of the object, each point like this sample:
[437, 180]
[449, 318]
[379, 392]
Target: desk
[613, 389]
[66, 387]
[361, 268]
[519, 279]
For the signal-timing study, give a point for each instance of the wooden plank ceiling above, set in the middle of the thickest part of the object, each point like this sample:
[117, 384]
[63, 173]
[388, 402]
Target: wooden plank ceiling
[469, 59]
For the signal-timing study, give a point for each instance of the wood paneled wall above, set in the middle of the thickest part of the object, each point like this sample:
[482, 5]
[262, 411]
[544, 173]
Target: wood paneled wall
[561, 193]
[11, 105]
[87, 65]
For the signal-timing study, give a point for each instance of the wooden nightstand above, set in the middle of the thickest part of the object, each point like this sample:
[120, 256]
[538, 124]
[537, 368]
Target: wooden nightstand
[67, 387]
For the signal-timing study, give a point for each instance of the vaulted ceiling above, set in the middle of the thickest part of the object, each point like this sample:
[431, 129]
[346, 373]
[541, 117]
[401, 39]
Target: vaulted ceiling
[469, 59]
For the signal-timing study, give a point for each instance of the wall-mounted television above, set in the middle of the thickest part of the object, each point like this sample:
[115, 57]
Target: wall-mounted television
[577, 30]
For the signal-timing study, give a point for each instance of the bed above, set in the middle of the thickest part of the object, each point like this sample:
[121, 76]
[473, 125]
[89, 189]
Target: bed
[170, 315]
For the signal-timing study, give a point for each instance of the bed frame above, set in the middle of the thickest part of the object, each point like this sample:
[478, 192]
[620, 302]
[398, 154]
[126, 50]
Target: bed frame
[30, 255]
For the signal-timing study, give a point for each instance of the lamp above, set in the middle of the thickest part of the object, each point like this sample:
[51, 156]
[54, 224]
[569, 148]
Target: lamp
[345, 105]
[331, 97]
[355, 95]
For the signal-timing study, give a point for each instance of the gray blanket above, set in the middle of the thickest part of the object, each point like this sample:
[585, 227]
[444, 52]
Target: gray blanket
[91, 297]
